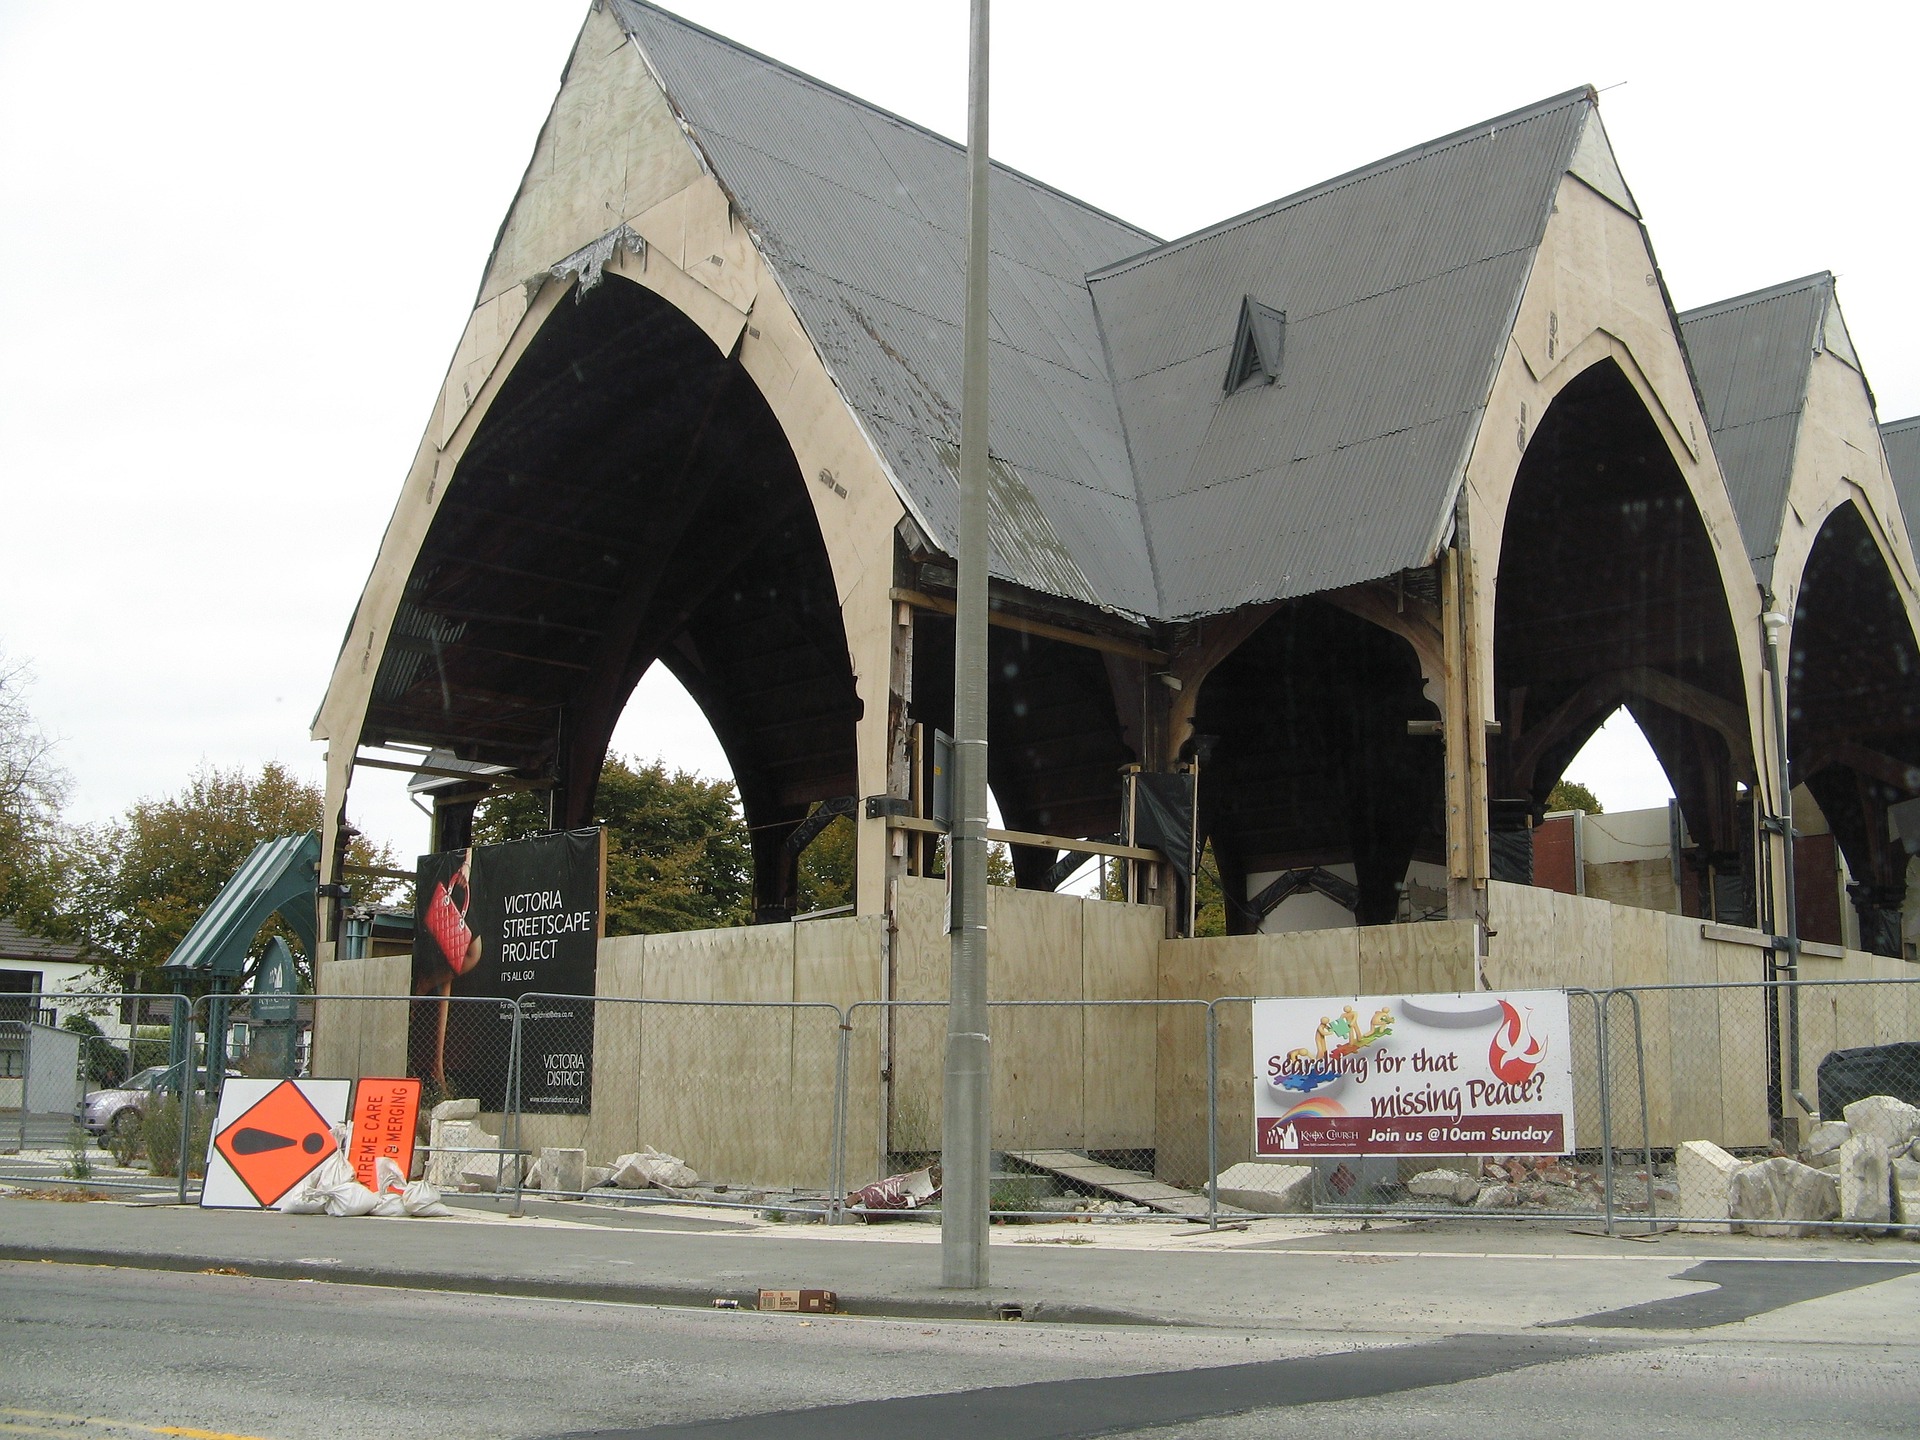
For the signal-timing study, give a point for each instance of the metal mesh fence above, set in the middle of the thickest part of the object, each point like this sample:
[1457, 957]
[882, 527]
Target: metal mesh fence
[1427, 1180]
[1684, 1098]
[95, 1102]
[1075, 1109]
[1782, 1106]
[461, 1049]
[727, 1103]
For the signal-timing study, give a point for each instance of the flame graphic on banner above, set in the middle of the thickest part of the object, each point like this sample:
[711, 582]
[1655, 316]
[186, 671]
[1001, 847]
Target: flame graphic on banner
[1516, 1051]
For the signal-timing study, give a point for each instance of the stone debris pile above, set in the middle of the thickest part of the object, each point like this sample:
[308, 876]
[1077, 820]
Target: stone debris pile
[1862, 1171]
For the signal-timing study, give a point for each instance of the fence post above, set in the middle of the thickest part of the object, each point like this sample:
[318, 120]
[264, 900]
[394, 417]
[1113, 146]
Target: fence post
[1604, 1005]
[1646, 1126]
[1213, 1119]
[837, 1165]
[26, 1079]
[183, 1087]
[513, 1116]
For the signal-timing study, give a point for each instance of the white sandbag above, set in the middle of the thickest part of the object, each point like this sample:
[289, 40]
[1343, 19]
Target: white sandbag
[343, 1193]
[388, 1207]
[422, 1201]
[387, 1177]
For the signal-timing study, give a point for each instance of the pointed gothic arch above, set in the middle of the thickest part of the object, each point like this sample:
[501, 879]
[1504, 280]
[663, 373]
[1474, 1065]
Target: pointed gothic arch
[1853, 711]
[1609, 593]
[628, 499]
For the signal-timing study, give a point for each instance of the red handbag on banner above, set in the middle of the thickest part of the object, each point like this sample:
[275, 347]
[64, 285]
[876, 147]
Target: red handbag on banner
[447, 923]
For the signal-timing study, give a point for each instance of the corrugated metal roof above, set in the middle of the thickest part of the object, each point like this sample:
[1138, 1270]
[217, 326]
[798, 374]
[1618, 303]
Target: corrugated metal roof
[863, 217]
[1752, 356]
[1902, 439]
[279, 875]
[1399, 281]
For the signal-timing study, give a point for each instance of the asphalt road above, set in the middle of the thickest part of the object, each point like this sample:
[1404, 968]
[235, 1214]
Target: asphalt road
[96, 1353]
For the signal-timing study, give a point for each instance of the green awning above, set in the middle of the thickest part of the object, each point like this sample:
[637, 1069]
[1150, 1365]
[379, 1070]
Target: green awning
[279, 875]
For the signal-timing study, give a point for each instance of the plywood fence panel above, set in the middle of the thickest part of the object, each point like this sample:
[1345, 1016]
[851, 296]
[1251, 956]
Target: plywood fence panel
[362, 1036]
[1119, 1055]
[619, 1034]
[1638, 944]
[1524, 946]
[917, 1042]
[1693, 1033]
[1035, 952]
[842, 962]
[839, 961]
[1745, 1121]
[1431, 958]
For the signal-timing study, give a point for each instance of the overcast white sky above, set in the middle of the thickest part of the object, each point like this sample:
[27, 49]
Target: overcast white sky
[244, 239]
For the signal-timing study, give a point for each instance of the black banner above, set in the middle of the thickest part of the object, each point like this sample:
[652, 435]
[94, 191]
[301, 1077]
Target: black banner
[503, 921]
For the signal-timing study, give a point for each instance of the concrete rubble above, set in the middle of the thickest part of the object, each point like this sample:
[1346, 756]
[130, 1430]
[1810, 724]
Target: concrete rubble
[1267, 1189]
[1780, 1196]
[1863, 1176]
[1894, 1123]
[1706, 1173]
[563, 1170]
[1822, 1150]
[650, 1167]
[1906, 1194]
[1453, 1186]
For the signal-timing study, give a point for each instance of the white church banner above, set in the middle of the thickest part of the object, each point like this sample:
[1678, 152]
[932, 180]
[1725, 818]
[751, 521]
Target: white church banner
[1481, 1074]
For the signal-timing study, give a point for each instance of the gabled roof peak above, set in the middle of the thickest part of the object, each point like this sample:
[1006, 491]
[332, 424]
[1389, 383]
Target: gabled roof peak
[1584, 95]
[647, 6]
[1820, 279]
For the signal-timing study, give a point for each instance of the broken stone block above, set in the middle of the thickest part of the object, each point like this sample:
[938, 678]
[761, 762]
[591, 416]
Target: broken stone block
[449, 1138]
[487, 1171]
[1823, 1145]
[1864, 1181]
[1705, 1172]
[467, 1109]
[1452, 1186]
[1497, 1197]
[652, 1167]
[563, 1169]
[1780, 1196]
[598, 1175]
[1906, 1195]
[1266, 1188]
[1894, 1122]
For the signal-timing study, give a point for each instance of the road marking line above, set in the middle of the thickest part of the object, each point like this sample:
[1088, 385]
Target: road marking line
[109, 1424]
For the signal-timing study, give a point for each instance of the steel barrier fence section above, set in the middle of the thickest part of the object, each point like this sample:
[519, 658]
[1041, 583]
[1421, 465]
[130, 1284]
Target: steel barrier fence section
[83, 1108]
[1762, 1070]
[1075, 1107]
[729, 1103]
[1118, 1109]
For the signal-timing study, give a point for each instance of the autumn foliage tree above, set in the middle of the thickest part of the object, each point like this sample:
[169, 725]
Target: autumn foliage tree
[32, 790]
[134, 886]
[677, 851]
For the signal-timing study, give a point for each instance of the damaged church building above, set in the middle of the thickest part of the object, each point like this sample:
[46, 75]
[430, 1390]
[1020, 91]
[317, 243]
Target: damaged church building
[1323, 539]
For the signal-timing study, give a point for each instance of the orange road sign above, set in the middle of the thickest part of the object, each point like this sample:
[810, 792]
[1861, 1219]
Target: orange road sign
[276, 1143]
[384, 1114]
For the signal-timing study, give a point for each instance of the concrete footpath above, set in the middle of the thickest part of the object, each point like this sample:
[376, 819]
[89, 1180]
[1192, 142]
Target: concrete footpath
[1292, 1273]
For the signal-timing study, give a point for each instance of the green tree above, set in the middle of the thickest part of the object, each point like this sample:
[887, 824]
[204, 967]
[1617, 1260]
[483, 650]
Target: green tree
[1571, 795]
[32, 790]
[133, 886]
[826, 869]
[678, 856]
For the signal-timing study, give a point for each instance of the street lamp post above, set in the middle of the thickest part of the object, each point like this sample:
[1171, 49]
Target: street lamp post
[965, 1131]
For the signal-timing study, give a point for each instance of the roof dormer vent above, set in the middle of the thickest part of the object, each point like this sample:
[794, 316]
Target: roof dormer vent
[1257, 343]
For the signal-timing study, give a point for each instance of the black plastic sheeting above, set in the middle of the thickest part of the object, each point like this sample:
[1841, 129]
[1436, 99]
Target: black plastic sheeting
[1850, 1075]
[1163, 819]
